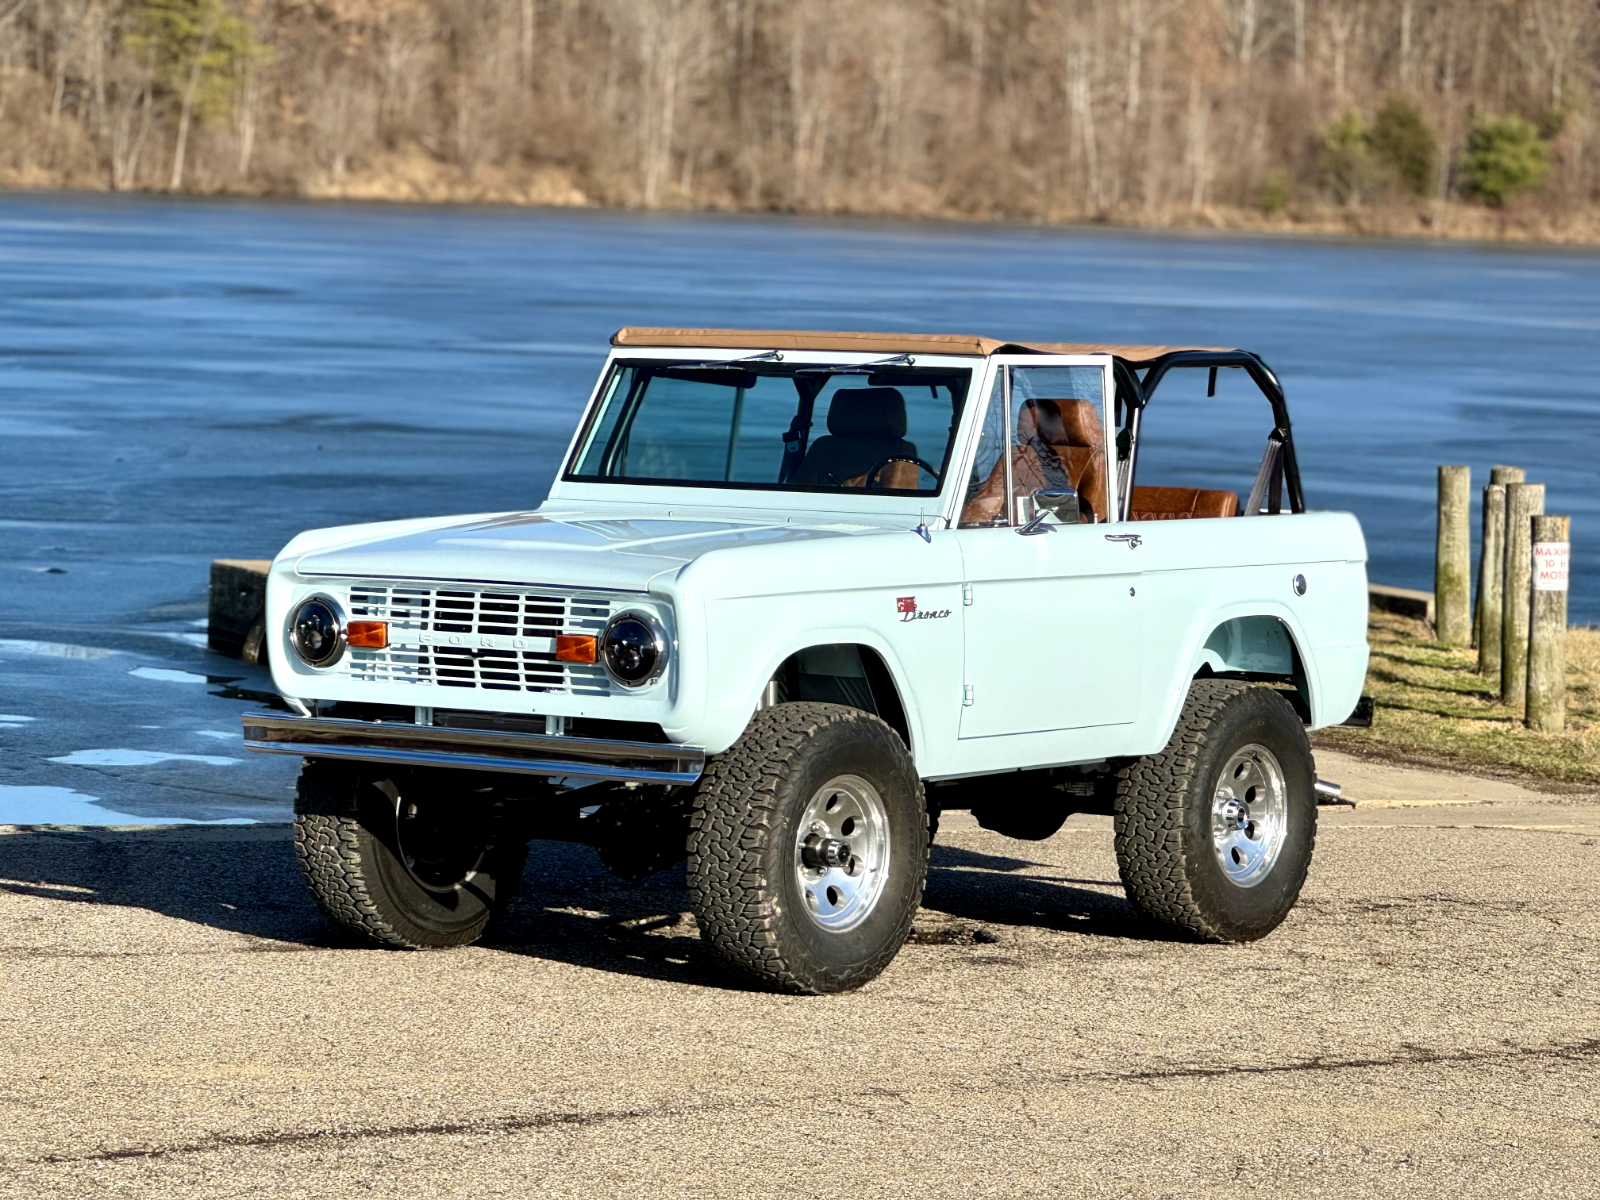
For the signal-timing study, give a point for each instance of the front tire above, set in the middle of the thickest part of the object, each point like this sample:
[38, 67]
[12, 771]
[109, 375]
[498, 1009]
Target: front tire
[1214, 834]
[808, 849]
[407, 860]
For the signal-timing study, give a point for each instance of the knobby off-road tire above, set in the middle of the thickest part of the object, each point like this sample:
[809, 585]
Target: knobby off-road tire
[804, 780]
[404, 860]
[1185, 850]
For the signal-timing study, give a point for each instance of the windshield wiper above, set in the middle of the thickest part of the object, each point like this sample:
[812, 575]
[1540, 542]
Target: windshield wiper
[726, 364]
[899, 360]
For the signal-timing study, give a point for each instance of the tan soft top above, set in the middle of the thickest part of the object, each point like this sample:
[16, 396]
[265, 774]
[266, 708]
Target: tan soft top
[878, 343]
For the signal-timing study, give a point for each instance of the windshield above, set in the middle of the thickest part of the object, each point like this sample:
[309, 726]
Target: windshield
[800, 427]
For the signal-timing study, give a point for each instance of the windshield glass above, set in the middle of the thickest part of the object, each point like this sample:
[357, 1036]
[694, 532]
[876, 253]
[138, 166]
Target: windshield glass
[800, 427]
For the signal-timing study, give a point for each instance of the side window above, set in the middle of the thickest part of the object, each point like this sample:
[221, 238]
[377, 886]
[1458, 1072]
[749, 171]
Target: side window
[1055, 440]
[1059, 438]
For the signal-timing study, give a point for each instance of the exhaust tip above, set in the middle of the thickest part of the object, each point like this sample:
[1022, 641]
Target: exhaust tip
[1331, 793]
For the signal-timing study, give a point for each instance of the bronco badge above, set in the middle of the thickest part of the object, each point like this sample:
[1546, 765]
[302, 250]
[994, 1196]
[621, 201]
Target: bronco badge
[906, 606]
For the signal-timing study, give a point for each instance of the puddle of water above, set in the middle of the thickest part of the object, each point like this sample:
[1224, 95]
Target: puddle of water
[167, 675]
[55, 649]
[30, 805]
[136, 758]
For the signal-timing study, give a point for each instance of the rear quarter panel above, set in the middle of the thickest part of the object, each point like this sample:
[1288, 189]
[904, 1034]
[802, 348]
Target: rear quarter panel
[1198, 574]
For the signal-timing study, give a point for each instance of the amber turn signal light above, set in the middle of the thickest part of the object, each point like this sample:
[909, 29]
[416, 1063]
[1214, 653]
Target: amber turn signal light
[573, 647]
[367, 635]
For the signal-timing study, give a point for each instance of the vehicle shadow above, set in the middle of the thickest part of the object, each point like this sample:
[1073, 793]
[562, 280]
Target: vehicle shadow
[571, 909]
[243, 880]
[989, 889]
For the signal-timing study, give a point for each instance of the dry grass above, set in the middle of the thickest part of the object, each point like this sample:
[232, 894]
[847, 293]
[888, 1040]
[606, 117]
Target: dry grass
[1434, 708]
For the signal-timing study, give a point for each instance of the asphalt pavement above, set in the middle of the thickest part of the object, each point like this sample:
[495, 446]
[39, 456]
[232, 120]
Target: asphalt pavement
[176, 1023]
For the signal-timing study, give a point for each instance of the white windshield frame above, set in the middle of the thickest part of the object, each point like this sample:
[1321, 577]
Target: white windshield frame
[850, 502]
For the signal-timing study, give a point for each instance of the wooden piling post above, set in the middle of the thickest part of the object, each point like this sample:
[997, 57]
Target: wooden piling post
[1452, 564]
[1504, 476]
[1524, 501]
[1491, 578]
[1547, 626]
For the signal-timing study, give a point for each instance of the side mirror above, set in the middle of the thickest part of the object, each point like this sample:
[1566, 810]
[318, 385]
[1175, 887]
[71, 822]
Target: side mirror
[1063, 503]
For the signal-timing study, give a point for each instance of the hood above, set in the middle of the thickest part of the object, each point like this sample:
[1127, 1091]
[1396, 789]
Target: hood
[572, 550]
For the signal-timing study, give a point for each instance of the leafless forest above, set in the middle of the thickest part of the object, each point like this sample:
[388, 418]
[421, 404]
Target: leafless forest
[1392, 115]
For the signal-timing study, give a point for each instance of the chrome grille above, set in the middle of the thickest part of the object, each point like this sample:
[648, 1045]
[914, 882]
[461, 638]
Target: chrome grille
[460, 636]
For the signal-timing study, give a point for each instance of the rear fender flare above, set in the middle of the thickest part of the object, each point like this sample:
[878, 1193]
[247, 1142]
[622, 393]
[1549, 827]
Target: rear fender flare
[1217, 620]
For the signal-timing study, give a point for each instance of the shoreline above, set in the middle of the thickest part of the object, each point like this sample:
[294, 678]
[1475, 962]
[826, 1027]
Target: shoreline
[1449, 222]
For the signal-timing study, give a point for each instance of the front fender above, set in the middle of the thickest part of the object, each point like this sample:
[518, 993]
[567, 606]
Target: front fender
[744, 612]
[743, 676]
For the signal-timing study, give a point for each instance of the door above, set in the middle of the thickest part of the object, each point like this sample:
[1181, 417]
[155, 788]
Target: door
[1053, 638]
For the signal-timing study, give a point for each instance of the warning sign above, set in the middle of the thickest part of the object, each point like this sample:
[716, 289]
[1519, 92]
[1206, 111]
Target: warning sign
[1550, 566]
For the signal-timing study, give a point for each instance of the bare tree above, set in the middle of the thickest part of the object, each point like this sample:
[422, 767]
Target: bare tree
[1145, 109]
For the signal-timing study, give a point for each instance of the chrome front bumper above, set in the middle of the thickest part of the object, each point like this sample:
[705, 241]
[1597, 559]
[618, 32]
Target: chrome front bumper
[472, 749]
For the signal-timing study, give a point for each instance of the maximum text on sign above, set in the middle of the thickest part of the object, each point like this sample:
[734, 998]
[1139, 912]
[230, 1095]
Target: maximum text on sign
[1550, 566]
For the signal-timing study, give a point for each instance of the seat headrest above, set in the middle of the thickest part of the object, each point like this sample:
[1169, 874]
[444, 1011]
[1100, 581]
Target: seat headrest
[868, 412]
[1061, 423]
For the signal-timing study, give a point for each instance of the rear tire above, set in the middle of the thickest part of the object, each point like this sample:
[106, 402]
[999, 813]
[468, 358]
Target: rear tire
[808, 849]
[1214, 834]
[404, 859]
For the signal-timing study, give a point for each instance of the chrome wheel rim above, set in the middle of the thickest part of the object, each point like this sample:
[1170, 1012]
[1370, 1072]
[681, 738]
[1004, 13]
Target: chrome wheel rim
[841, 853]
[1249, 816]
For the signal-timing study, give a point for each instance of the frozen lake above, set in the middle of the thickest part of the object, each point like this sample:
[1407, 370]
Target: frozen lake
[181, 381]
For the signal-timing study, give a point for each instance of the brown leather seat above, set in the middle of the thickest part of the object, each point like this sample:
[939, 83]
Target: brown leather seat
[1069, 431]
[865, 426]
[1177, 504]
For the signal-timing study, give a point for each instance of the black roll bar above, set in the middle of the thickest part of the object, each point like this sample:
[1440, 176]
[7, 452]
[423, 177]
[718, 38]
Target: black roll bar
[1264, 379]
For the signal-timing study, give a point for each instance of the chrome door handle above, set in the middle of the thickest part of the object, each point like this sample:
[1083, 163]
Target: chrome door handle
[1132, 540]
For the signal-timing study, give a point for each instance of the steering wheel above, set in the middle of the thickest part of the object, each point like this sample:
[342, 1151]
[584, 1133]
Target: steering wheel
[872, 475]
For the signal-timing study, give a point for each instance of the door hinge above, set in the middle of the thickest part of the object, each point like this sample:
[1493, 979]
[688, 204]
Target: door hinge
[966, 593]
[966, 695]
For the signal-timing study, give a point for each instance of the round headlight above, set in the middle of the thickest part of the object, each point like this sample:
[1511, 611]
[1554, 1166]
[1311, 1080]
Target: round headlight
[316, 631]
[633, 649]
